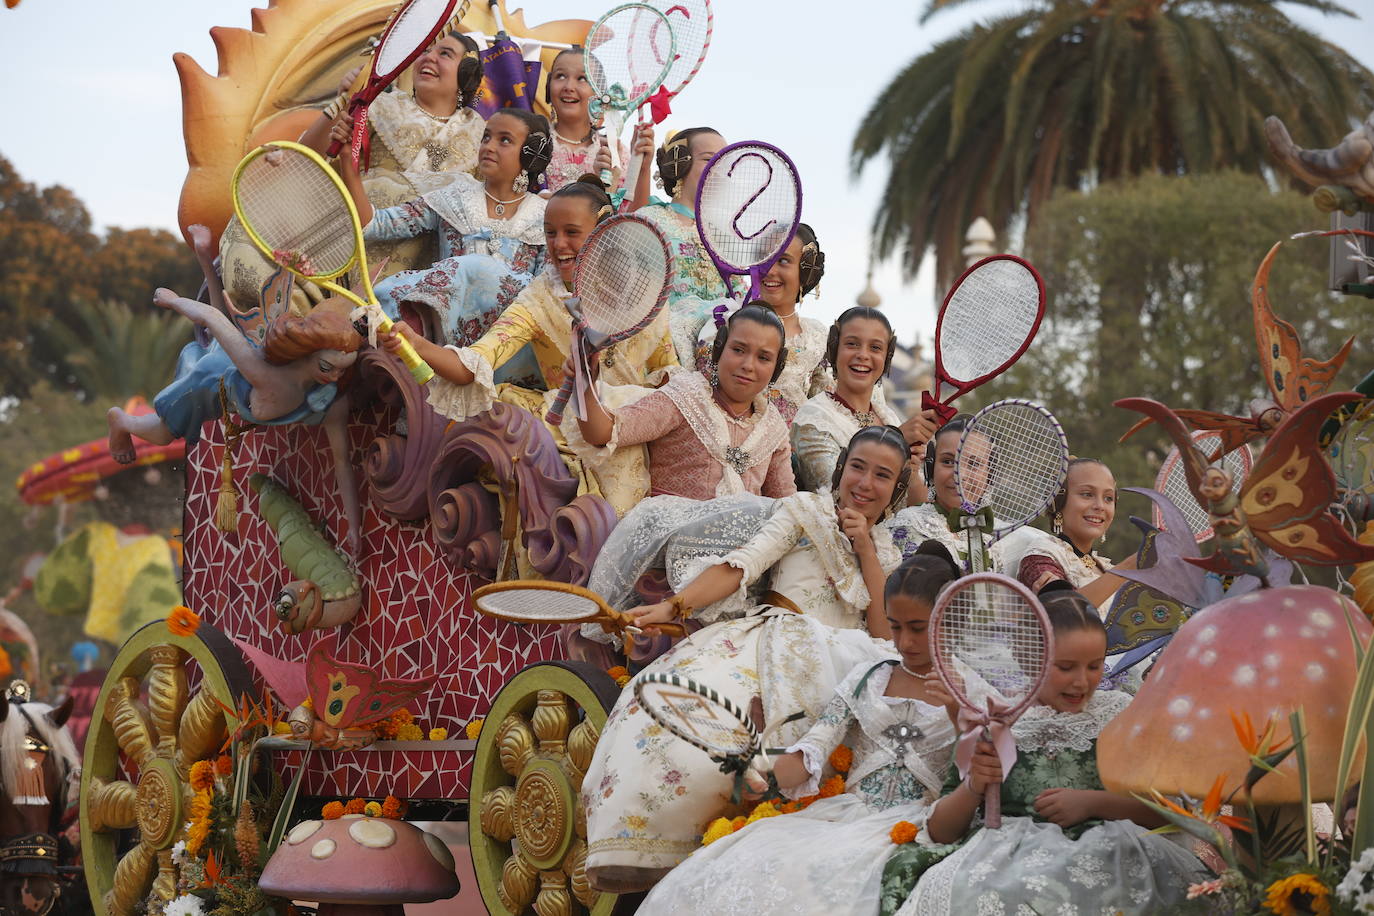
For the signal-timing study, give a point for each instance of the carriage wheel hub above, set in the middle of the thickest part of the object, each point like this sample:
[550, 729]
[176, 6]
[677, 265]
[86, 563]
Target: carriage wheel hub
[543, 813]
[159, 804]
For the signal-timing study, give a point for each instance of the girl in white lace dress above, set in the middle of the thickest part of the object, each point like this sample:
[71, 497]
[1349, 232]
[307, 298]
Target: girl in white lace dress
[829, 857]
[648, 794]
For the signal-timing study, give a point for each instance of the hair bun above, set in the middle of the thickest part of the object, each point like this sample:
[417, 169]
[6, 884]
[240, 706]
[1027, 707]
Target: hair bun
[590, 178]
[933, 548]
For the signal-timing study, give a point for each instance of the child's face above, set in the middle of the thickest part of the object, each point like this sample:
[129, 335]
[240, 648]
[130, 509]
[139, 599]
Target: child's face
[567, 223]
[746, 364]
[1079, 656]
[498, 156]
[909, 619]
[781, 286]
[704, 148]
[568, 87]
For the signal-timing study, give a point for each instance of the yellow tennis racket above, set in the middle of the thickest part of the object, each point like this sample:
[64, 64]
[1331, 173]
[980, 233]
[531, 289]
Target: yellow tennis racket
[297, 211]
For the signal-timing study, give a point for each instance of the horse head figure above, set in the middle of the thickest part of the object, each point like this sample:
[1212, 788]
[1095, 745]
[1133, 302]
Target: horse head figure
[38, 764]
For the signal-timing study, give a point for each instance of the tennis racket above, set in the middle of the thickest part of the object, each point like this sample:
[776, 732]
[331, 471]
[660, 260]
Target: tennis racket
[540, 601]
[629, 52]
[297, 212]
[410, 31]
[748, 207]
[1013, 457]
[620, 282]
[988, 319]
[992, 647]
[693, 23]
[1173, 482]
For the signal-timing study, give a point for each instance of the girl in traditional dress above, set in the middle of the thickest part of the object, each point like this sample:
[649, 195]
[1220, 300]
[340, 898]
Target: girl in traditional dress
[829, 858]
[914, 525]
[465, 377]
[647, 794]
[415, 140]
[859, 347]
[1083, 511]
[706, 440]
[498, 215]
[1066, 845]
[796, 273]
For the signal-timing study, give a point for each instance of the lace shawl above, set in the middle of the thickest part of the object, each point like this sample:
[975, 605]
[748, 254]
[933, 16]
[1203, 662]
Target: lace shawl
[1041, 728]
[915, 525]
[1029, 542]
[691, 394]
[421, 145]
[462, 203]
[821, 428]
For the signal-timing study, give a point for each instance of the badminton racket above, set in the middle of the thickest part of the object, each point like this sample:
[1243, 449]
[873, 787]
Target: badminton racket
[992, 648]
[1173, 482]
[748, 206]
[1013, 457]
[628, 53]
[988, 319]
[620, 282]
[298, 213]
[541, 601]
[410, 31]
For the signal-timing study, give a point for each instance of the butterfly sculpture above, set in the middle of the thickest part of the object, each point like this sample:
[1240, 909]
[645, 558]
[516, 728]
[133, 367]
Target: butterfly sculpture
[346, 699]
[1284, 503]
[1293, 379]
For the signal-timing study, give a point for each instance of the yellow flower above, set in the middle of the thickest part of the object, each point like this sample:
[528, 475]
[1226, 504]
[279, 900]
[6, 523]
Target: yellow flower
[438, 734]
[196, 836]
[372, 809]
[410, 732]
[718, 828]
[762, 810]
[182, 621]
[1312, 896]
[201, 805]
[636, 822]
[474, 728]
[202, 775]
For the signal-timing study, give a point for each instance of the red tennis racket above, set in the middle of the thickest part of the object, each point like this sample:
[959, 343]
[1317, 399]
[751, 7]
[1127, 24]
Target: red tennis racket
[987, 320]
[619, 283]
[410, 31]
[693, 24]
[992, 647]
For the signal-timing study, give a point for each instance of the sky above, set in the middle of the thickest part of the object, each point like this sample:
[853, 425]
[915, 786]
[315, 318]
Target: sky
[94, 105]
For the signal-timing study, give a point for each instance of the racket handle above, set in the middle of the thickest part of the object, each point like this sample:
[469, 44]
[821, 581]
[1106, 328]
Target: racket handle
[419, 369]
[555, 415]
[992, 805]
[632, 180]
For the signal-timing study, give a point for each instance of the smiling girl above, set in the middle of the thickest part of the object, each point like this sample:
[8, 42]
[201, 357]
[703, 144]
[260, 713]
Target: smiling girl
[827, 564]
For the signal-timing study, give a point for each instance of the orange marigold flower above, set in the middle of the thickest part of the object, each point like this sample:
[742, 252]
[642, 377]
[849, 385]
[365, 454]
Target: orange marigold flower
[332, 811]
[403, 716]
[832, 787]
[903, 832]
[224, 765]
[202, 776]
[410, 732]
[391, 807]
[196, 836]
[841, 759]
[355, 806]
[618, 672]
[372, 809]
[474, 728]
[183, 621]
[738, 823]
[806, 800]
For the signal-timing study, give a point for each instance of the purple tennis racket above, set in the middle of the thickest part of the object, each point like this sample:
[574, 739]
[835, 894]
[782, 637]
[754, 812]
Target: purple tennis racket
[748, 208]
[992, 647]
[1013, 457]
[619, 284]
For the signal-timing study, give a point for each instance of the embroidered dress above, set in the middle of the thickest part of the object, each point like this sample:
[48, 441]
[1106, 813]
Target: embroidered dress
[457, 213]
[1032, 866]
[829, 857]
[411, 152]
[696, 285]
[1030, 552]
[823, 427]
[804, 376]
[914, 525]
[570, 161]
[649, 794]
[538, 322]
[696, 450]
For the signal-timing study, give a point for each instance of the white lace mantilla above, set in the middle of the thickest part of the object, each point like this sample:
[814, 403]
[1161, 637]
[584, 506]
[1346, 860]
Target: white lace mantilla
[691, 394]
[422, 144]
[916, 524]
[462, 203]
[1027, 542]
[1041, 728]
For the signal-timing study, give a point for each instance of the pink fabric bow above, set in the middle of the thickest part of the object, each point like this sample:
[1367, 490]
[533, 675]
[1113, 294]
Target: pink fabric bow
[658, 104]
[972, 726]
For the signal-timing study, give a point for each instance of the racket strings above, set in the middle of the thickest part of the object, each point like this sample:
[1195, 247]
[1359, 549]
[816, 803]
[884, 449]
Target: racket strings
[987, 320]
[540, 604]
[692, 27]
[295, 207]
[620, 56]
[697, 719]
[621, 277]
[410, 30]
[995, 643]
[1173, 482]
[748, 205]
[1011, 459]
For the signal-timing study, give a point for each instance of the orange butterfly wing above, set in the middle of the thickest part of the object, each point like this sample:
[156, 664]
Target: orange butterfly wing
[348, 695]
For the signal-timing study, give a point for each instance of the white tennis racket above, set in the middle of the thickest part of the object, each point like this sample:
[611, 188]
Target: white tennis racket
[1173, 482]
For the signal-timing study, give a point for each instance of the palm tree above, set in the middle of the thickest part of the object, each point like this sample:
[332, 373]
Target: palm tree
[1075, 92]
[118, 353]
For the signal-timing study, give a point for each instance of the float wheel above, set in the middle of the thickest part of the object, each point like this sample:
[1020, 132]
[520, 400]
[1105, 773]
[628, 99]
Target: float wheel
[148, 723]
[527, 828]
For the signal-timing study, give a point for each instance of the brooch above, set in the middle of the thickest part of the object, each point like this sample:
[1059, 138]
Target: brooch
[737, 458]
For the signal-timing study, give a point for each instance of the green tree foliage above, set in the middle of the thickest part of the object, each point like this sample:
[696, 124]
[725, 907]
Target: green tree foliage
[113, 352]
[51, 261]
[1148, 283]
[1068, 93]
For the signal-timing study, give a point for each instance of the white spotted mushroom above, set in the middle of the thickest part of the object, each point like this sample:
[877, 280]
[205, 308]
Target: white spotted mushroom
[360, 866]
[1265, 653]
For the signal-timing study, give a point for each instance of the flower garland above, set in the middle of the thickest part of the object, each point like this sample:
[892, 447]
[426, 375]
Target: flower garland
[390, 808]
[773, 805]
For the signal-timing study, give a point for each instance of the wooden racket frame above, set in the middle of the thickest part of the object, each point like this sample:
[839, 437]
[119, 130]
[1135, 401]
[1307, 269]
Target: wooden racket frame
[611, 620]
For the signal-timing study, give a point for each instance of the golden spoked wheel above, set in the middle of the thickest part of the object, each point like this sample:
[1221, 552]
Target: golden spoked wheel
[147, 717]
[527, 829]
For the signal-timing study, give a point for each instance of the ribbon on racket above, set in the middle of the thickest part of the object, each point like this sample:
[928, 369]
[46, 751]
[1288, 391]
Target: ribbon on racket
[945, 412]
[659, 106]
[582, 374]
[372, 315]
[972, 727]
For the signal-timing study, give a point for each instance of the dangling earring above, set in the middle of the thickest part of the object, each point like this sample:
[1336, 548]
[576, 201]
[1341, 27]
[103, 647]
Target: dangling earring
[461, 102]
[521, 184]
[1057, 524]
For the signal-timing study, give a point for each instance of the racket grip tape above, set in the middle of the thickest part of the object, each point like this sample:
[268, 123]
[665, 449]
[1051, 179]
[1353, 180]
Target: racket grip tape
[555, 415]
[419, 369]
[992, 805]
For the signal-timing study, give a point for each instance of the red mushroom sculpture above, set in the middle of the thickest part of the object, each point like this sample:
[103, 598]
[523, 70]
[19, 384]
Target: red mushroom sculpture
[360, 866]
